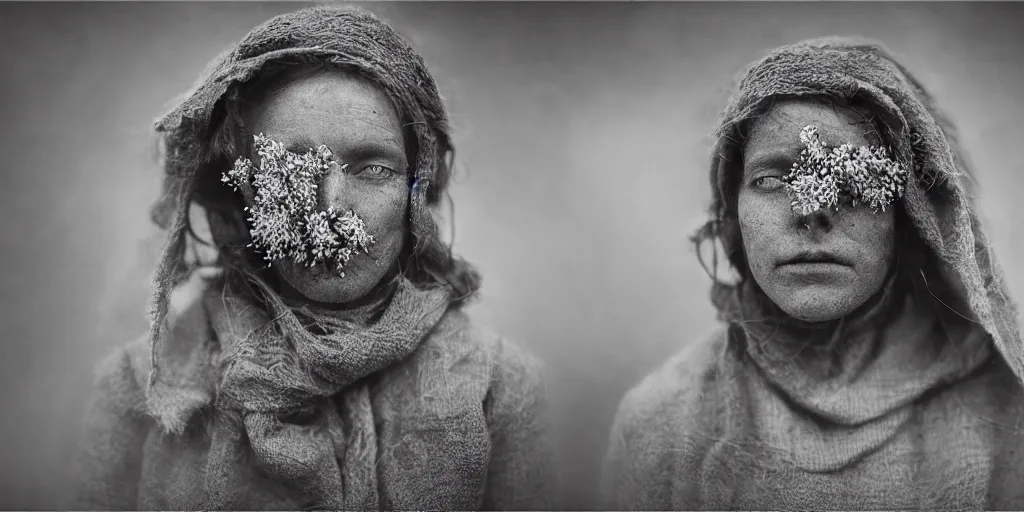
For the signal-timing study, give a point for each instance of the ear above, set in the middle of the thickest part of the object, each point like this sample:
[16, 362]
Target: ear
[730, 239]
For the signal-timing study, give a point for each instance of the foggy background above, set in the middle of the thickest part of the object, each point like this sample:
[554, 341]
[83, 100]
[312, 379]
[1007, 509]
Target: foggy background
[582, 135]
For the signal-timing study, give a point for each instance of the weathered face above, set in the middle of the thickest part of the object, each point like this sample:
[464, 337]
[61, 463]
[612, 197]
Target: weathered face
[360, 126]
[824, 265]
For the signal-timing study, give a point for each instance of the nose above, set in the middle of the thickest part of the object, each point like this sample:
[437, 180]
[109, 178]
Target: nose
[332, 191]
[817, 221]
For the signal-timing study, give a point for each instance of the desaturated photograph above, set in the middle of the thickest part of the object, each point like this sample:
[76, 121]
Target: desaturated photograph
[488, 255]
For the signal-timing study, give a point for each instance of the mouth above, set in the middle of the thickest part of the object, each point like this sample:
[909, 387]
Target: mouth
[814, 258]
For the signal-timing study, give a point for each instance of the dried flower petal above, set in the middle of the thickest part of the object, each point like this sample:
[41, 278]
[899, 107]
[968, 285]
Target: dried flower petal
[825, 177]
[284, 220]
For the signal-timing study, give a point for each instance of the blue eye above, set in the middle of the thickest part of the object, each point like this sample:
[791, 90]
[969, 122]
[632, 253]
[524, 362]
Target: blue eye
[769, 183]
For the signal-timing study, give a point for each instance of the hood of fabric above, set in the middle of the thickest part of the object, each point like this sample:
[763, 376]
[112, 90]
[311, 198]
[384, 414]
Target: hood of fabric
[194, 353]
[937, 201]
[348, 37]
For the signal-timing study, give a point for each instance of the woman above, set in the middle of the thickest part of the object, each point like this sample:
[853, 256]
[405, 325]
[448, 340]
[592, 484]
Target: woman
[871, 356]
[330, 364]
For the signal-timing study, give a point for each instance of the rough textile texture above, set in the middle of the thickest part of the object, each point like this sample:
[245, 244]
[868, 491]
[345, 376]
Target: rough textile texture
[263, 379]
[455, 425]
[249, 402]
[348, 37]
[903, 405]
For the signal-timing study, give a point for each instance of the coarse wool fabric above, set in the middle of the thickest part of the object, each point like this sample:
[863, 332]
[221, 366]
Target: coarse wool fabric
[458, 424]
[322, 453]
[905, 405]
[401, 403]
[346, 36]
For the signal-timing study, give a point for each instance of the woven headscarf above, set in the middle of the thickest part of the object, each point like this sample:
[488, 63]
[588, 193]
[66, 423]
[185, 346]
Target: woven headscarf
[938, 197]
[348, 37]
[292, 397]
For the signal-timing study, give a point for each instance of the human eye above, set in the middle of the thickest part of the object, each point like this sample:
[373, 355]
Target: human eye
[375, 171]
[768, 183]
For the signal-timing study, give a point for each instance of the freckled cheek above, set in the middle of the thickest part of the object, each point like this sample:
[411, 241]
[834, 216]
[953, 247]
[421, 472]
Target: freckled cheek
[384, 210]
[761, 227]
[874, 234]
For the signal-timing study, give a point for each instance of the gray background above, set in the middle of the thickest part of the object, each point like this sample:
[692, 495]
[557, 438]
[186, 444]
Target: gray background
[582, 131]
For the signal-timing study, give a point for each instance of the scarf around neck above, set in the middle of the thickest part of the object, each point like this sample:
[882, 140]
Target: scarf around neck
[939, 190]
[858, 374]
[845, 384]
[292, 399]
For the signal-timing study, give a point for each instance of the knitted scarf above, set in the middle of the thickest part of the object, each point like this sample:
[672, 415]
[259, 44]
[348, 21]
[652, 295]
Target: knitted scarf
[348, 37]
[292, 398]
[828, 395]
[856, 375]
[938, 192]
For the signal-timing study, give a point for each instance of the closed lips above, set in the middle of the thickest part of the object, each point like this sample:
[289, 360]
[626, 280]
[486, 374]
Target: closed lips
[814, 257]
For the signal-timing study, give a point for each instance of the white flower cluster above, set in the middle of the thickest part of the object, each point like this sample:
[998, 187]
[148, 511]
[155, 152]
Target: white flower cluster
[824, 177]
[284, 220]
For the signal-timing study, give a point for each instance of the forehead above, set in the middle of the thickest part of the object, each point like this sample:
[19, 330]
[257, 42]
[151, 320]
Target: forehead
[778, 131]
[329, 107]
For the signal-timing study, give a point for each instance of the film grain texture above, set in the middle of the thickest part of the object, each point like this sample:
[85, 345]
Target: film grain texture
[581, 128]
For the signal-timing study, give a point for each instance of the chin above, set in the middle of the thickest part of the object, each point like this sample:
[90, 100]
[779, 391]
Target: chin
[816, 303]
[327, 286]
[330, 293]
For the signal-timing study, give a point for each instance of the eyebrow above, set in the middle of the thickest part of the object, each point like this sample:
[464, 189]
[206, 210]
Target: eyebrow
[778, 159]
[358, 150]
[373, 148]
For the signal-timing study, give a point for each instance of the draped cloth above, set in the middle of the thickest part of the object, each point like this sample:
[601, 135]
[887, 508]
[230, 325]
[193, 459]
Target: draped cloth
[939, 192]
[245, 402]
[291, 390]
[857, 375]
[278, 392]
[912, 401]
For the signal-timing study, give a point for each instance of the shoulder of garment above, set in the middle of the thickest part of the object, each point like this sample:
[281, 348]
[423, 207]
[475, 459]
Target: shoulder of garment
[665, 427]
[681, 391]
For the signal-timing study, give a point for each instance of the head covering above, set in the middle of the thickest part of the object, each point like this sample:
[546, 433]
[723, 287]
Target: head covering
[868, 411]
[938, 191]
[281, 368]
[346, 36]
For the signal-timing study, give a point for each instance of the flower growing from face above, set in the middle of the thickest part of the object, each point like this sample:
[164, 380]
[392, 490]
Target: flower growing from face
[824, 177]
[284, 220]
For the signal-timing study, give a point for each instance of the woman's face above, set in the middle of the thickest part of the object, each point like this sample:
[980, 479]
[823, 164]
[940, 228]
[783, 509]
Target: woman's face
[360, 126]
[784, 248]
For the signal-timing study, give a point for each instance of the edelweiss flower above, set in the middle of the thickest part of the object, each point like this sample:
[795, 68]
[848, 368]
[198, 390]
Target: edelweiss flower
[825, 177]
[284, 220]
